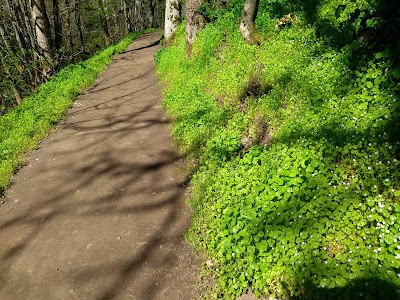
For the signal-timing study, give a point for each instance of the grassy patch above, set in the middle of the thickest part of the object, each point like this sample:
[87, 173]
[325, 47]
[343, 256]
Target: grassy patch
[297, 188]
[22, 128]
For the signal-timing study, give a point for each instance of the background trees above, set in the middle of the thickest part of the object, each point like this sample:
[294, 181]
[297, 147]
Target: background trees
[37, 37]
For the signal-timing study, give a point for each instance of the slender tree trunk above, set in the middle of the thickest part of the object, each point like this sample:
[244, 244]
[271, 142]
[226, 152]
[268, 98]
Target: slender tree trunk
[194, 22]
[28, 23]
[5, 39]
[79, 24]
[172, 18]
[127, 15]
[15, 25]
[249, 14]
[42, 28]
[68, 25]
[152, 13]
[29, 51]
[103, 20]
[137, 15]
[58, 29]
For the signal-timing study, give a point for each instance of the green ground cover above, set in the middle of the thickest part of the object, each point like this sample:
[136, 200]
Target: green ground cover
[295, 146]
[22, 128]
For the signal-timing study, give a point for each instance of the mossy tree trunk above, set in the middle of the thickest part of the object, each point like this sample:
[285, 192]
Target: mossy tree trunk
[249, 14]
[172, 18]
[194, 22]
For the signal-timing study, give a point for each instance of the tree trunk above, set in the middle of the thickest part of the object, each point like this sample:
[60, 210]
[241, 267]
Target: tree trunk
[42, 28]
[194, 22]
[79, 24]
[28, 23]
[137, 15]
[152, 16]
[15, 25]
[249, 14]
[103, 20]
[68, 25]
[4, 38]
[172, 18]
[127, 15]
[58, 30]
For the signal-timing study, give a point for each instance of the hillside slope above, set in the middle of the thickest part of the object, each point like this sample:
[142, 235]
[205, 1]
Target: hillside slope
[294, 148]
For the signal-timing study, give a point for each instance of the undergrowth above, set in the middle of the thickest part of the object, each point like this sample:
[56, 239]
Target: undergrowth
[22, 128]
[294, 145]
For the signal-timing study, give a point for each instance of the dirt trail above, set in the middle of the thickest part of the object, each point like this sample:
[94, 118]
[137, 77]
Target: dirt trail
[98, 211]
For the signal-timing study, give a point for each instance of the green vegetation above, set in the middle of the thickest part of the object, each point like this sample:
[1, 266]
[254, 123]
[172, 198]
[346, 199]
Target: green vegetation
[22, 128]
[295, 150]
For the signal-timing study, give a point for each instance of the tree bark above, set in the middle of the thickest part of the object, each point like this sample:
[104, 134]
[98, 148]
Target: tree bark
[103, 20]
[42, 28]
[194, 22]
[68, 25]
[138, 15]
[15, 25]
[58, 29]
[4, 38]
[152, 16]
[127, 15]
[26, 14]
[172, 18]
[249, 14]
[79, 24]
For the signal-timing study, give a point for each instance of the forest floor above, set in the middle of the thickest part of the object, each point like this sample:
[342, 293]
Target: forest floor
[98, 210]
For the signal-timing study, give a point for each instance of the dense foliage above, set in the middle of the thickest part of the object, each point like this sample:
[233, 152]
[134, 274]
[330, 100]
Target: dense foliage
[295, 148]
[22, 128]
